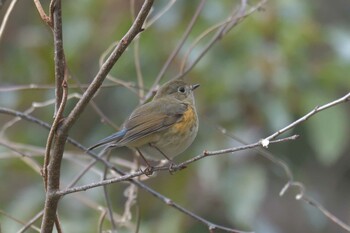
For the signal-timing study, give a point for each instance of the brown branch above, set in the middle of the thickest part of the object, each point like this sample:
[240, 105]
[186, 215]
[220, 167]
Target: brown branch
[52, 176]
[52, 132]
[47, 19]
[60, 60]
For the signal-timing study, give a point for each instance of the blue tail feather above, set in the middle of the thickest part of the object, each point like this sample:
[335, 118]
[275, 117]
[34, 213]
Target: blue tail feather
[114, 137]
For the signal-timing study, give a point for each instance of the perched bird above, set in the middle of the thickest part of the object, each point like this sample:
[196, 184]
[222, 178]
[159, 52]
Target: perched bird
[161, 128]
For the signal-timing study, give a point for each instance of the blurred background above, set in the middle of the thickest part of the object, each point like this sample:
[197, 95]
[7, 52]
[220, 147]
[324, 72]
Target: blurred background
[271, 69]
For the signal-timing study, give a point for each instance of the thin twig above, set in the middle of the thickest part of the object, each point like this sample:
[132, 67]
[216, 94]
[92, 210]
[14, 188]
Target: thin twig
[128, 85]
[6, 17]
[31, 222]
[328, 214]
[43, 15]
[196, 41]
[108, 200]
[32, 108]
[148, 23]
[302, 196]
[176, 50]
[51, 87]
[100, 220]
[27, 159]
[17, 220]
[307, 116]
[224, 29]
[137, 56]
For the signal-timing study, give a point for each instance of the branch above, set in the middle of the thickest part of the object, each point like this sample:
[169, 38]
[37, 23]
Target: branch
[307, 116]
[141, 185]
[168, 201]
[223, 30]
[47, 19]
[17, 220]
[6, 17]
[52, 132]
[302, 196]
[177, 49]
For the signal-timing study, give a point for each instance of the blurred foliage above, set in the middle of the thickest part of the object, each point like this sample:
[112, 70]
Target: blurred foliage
[273, 68]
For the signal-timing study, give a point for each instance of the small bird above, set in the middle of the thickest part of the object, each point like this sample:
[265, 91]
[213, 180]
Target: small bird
[161, 128]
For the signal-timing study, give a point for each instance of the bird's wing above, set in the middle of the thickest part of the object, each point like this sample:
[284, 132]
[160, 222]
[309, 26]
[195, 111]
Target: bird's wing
[152, 117]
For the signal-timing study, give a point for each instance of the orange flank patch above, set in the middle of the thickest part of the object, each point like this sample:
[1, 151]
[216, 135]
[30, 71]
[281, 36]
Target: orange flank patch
[187, 121]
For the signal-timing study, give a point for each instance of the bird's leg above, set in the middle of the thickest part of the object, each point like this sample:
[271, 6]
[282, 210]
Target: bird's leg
[149, 169]
[173, 166]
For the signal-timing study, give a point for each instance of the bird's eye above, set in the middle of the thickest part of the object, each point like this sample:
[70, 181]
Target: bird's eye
[181, 89]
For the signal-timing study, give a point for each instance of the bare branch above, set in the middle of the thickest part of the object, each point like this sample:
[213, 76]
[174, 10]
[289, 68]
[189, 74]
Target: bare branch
[47, 19]
[137, 56]
[176, 50]
[6, 17]
[108, 200]
[160, 14]
[17, 220]
[52, 132]
[307, 116]
[302, 196]
[224, 29]
[31, 222]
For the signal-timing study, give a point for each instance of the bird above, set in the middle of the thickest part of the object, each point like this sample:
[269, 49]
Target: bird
[162, 128]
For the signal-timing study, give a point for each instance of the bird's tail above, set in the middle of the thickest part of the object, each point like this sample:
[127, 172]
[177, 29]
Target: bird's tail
[114, 137]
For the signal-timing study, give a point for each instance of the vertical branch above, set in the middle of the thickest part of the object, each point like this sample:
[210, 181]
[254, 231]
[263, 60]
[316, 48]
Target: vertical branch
[137, 57]
[60, 61]
[107, 198]
[52, 167]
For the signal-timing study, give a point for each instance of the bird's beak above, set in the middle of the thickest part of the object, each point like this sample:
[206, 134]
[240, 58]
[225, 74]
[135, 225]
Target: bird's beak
[194, 86]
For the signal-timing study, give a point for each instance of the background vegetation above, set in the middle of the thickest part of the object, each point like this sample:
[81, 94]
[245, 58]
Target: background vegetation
[271, 69]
